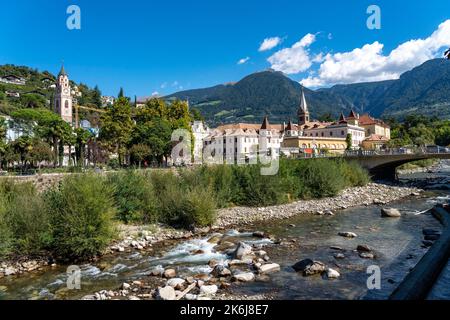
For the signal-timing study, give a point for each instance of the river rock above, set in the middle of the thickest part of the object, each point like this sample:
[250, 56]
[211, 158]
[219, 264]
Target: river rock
[348, 234]
[428, 232]
[215, 238]
[390, 213]
[212, 263]
[332, 274]
[366, 255]
[329, 213]
[309, 267]
[125, 286]
[432, 237]
[176, 283]
[221, 271]
[244, 277]
[268, 268]
[363, 248]
[190, 296]
[427, 243]
[157, 271]
[242, 250]
[302, 265]
[339, 256]
[209, 290]
[9, 271]
[169, 273]
[166, 293]
[259, 234]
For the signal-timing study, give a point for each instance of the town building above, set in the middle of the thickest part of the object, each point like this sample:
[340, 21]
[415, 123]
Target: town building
[63, 100]
[200, 131]
[238, 143]
[12, 79]
[107, 101]
[374, 126]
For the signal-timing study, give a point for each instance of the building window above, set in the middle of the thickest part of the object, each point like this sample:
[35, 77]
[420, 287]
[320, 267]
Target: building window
[66, 104]
[342, 132]
[331, 133]
[322, 134]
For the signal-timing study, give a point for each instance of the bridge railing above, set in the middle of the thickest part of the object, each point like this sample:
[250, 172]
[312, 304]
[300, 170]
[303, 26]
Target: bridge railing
[398, 151]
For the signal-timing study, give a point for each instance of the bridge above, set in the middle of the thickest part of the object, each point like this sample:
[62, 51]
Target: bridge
[383, 164]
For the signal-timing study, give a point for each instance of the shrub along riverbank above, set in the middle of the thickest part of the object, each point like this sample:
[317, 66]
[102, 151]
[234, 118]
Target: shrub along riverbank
[76, 219]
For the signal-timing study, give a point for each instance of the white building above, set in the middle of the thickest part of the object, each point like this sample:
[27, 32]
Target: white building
[12, 79]
[200, 131]
[240, 143]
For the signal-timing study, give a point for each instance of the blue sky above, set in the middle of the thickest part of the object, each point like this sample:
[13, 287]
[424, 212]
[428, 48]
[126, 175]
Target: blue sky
[165, 46]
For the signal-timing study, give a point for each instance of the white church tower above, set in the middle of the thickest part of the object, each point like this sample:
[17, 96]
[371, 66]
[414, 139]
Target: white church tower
[63, 97]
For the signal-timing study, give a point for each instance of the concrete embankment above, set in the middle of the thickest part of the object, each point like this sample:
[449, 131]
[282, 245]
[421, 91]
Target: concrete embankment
[418, 283]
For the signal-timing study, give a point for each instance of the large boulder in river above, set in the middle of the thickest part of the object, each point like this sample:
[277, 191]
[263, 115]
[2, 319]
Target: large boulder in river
[309, 267]
[390, 213]
[242, 250]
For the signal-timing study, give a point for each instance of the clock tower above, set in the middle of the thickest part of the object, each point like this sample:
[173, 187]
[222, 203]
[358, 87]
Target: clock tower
[63, 96]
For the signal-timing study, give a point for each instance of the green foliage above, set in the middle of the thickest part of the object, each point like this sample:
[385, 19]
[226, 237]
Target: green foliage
[25, 217]
[348, 141]
[134, 196]
[139, 152]
[82, 211]
[116, 126]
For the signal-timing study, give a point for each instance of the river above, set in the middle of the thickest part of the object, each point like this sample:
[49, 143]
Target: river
[397, 244]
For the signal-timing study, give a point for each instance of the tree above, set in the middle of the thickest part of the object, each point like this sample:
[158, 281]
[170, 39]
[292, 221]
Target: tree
[97, 97]
[196, 115]
[32, 101]
[40, 151]
[139, 152]
[82, 138]
[121, 94]
[156, 134]
[421, 135]
[348, 141]
[116, 127]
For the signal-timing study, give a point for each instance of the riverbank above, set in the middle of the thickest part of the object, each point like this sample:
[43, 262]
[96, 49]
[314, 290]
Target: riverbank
[143, 238]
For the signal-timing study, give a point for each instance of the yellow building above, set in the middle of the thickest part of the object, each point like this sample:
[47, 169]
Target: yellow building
[374, 126]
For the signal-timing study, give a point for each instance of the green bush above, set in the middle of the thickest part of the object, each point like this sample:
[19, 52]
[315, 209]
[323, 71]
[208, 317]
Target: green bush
[134, 196]
[200, 207]
[5, 232]
[82, 210]
[26, 217]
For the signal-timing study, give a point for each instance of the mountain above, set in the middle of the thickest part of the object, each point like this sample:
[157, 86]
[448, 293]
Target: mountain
[425, 90]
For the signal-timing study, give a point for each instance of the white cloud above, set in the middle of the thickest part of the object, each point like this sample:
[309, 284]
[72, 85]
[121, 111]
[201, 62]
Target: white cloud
[163, 85]
[294, 59]
[243, 60]
[155, 94]
[368, 63]
[269, 43]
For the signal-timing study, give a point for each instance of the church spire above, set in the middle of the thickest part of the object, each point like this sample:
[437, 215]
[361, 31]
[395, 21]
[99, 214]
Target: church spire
[303, 112]
[62, 72]
[265, 125]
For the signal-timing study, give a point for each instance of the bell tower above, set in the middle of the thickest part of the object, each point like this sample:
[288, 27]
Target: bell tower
[303, 112]
[63, 96]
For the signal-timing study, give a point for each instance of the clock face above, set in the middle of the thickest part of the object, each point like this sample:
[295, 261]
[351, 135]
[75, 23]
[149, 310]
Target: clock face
[66, 91]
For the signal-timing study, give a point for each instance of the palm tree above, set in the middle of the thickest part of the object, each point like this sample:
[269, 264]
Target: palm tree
[447, 54]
